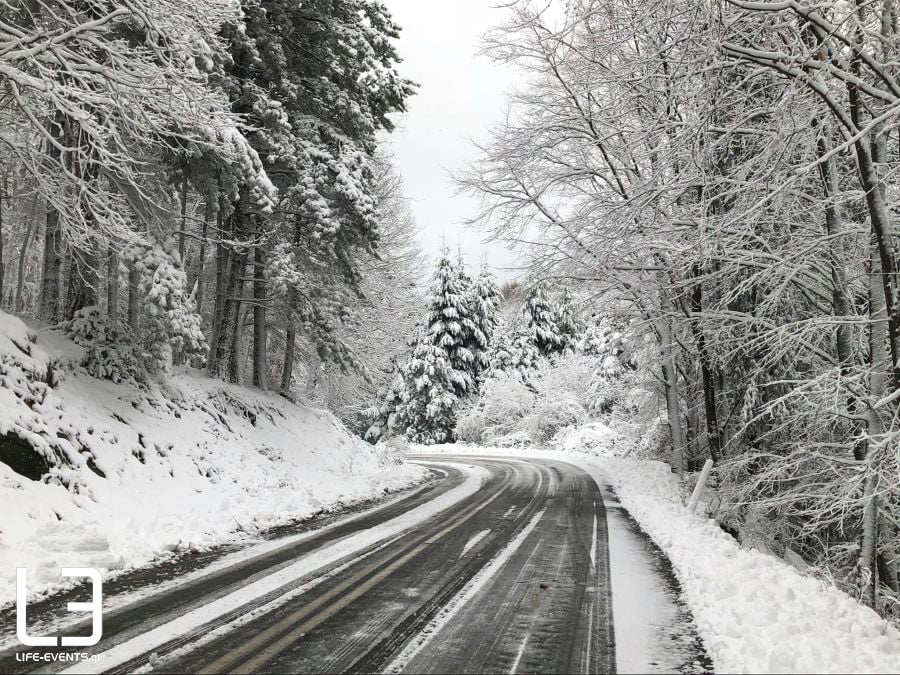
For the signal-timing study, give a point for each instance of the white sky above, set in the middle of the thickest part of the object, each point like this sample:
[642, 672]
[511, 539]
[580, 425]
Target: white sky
[461, 95]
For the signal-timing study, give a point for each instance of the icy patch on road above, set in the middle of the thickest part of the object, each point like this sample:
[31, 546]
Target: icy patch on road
[456, 603]
[307, 565]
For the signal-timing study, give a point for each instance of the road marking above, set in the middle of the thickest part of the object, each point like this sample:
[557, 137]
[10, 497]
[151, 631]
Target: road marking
[594, 541]
[515, 665]
[463, 596]
[186, 623]
[286, 632]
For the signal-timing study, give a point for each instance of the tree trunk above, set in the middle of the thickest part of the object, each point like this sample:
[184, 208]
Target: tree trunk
[878, 369]
[259, 319]
[212, 364]
[3, 198]
[112, 289]
[287, 369]
[134, 307]
[184, 191]
[234, 317]
[225, 362]
[83, 282]
[23, 256]
[670, 382]
[200, 269]
[706, 372]
[52, 277]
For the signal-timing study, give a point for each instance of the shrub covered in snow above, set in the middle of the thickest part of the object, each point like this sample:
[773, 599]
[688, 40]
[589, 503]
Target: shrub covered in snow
[504, 402]
[551, 415]
[170, 324]
[593, 438]
[109, 354]
[470, 426]
[554, 396]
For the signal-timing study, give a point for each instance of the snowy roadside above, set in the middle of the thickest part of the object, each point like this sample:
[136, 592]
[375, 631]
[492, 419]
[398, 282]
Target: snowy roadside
[146, 473]
[342, 548]
[755, 613]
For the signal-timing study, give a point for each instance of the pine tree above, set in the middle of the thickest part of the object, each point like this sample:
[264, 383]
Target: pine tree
[513, 351]
[567, 321]
[605, 342]
[485, 304]
[316, 82]
[450, 323]
[426, 411]
[543, 331]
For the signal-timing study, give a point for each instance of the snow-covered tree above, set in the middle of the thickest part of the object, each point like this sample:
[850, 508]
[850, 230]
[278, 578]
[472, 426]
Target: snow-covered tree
[451, 323]
[485, 306]
[567, 321]
[425, 413]
[317, 82]
[541, 321]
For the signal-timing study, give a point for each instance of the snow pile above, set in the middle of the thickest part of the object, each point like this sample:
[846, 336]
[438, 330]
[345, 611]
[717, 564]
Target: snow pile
[755, 612]
[138, 473]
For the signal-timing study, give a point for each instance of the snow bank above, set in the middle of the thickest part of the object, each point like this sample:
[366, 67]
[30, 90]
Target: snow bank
[187, 465]
[755, 613]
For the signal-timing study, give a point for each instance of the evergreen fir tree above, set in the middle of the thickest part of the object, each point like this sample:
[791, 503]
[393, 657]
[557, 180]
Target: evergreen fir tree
[513, 351]
[450, 323]
[485, 304]
[426, 411]
[567, 321]
[542, 328]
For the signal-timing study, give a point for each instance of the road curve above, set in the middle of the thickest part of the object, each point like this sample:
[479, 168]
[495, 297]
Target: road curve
[512, 578]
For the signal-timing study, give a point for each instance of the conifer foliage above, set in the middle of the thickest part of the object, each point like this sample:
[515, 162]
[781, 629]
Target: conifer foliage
[451, 322]
[485, 301]
[201, 173]
[542, 322]
[446, 363]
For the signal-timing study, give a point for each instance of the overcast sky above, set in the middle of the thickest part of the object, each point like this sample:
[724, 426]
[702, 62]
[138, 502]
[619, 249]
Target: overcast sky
[460, 96]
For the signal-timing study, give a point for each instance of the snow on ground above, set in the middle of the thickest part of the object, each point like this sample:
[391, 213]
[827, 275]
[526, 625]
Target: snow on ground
[755, 612]
[186, 465]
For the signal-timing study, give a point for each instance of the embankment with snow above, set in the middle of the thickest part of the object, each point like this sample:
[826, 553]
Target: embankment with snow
[116, 476]
[755, 612]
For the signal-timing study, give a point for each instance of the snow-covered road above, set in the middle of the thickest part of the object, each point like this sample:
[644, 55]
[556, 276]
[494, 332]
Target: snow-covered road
[504, 565]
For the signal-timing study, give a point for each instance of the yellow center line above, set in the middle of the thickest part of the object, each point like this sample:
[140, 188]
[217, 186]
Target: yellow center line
[307, 617]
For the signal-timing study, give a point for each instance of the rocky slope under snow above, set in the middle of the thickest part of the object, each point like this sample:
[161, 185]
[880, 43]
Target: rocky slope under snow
[115, 476]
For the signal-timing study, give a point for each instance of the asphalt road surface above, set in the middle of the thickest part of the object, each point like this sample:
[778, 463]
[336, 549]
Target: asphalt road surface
[513, 578]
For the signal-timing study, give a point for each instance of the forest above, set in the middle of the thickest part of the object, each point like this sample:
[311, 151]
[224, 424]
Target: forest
[703, 196]
[206, 183]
